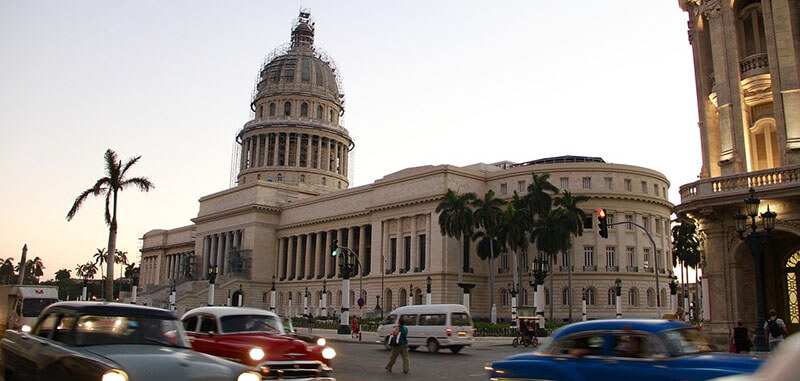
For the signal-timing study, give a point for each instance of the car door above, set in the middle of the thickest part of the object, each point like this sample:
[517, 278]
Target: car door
[31, 352]
[204, 335]
[633, 355]
[578, 355]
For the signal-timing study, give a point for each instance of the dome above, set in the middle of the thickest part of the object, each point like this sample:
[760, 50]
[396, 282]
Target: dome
[299, 68]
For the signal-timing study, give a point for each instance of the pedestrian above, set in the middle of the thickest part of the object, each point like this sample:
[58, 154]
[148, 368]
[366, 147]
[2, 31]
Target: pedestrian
[354, 331]
[310, 321]
[741, 338]
[775, 329]
[400, 347]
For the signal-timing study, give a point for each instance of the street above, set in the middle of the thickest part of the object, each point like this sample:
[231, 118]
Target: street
[359, 361]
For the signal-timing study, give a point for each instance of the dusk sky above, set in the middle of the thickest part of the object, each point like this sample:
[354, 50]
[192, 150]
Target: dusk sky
[426, 83]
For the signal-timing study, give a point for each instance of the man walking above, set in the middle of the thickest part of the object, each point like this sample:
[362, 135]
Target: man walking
[399, 346]
[776, 330]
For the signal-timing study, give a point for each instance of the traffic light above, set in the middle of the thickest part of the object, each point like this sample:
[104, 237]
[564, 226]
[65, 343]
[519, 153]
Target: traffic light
[334, 247]
[602, 222]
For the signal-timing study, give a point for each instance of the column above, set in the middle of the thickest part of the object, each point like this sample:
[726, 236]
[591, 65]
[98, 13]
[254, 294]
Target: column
[320, 259]
[338, 159]
[287, 145]
[787, 64]
[291, 258]
[344, 159]
[212, 258]
[319, 152]
[309, 259]
[300, 250]
[221, 254]
[242, 153]
[308, 150]
[362, 248]
[401, 248]
[377, 250]
[414, 244]
[228, 248]
[281, 260]
[325, 258]
[276, 148]
[329, 156]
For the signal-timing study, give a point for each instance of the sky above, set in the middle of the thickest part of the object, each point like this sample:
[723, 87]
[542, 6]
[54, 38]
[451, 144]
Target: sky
[426, 83]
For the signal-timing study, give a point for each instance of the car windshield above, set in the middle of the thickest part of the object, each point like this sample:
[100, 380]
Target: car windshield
[107, 330]
[33, 307]
[251, 323]
[685, 341]
[288, 327]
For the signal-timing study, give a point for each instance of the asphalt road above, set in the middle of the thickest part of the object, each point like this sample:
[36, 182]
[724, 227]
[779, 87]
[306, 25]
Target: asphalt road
[367, 362]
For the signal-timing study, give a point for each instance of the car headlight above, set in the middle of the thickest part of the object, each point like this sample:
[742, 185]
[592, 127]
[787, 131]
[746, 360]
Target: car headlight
[321, 341]
[249, 376]
[115, 375]
[25, 328]
[328, 353]
[257, 354]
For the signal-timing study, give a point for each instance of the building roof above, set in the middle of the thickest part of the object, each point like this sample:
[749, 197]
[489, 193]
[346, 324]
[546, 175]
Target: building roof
[561, 159]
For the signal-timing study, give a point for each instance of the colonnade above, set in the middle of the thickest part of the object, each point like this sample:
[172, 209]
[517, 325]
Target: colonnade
[290, 149]
[216, 247]
[307, 256]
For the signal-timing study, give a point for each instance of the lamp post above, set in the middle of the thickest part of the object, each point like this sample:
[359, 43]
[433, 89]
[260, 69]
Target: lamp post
[513, 290]
[240, 302]
[383, 271]
[410, 294]
[583, 304]
[289, 311]
[428, 290]
[618, 285]
[135, 285]
[172, 297]
[324, 297]
[348, 262]
[228, 299]
[212, 278]
[305, 302]
[272, 295]
[755, 240]
[540, 268]
[673, 293]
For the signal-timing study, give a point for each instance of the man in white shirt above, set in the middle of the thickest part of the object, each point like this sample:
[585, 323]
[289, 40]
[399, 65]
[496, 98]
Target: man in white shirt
[775, 329]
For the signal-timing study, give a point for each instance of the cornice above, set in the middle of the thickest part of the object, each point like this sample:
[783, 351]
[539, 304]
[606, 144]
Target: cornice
[143, 250]
[322, 220]
[236, 211]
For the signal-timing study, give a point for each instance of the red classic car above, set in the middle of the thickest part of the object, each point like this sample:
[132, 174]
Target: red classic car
[255, 337]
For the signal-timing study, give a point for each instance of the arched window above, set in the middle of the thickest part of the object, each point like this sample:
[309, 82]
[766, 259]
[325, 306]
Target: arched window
[319, 112]
[663, 297]
[651, 297]
[279, 177]
[417, 297]
[304, 109]
[272, 109]
[752, 38]
[261, 111]
[302, 178]
[763, 145]
[403, 298]
[338, 301]
[331, 120]
[287, 109]
[612, 296]
[387, 300]
[565, 296]
[352, 298]
[503, 297]
[633, 297]
[588, 294]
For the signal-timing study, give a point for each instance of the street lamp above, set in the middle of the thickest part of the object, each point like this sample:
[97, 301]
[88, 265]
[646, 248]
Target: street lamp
[513, 290]
[212, 278]
[172, 297]
[538, 274]
[618, 285]
[324, 297]
[410, 294]
[272, 295]
[755, 240]
[428, 290]
[583, 304]
[305, 302]
[134, 285]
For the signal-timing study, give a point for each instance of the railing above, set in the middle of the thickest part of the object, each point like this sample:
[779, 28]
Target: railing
[754, 65]
[713, 187]
[589, 268]
[632, 269]
[612, 268]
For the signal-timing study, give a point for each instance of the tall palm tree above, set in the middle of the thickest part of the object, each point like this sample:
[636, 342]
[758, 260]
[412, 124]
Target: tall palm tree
[121, 259]
[456, 221]
[63, 274]
[685, 249]
[575, 216]
[516, 226]
[487, 212]
[540, 194]
[100, 257]
[34, 270]
[110, 185]
[551, 235]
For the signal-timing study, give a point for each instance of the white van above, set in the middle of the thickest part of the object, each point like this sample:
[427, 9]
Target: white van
[433, 326]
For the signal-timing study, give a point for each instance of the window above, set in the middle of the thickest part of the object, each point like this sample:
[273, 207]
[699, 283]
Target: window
[565, 296]
[323, 181]
[521, 186]
[645, 219]
[389, 319]
[587, 221]
[630, 254]
[503, 297]
[207, 325]
[287, 109]
[272, 109]
[546, 297]
[646, 256]
[460, 319]
[651, 297]
[633, 297]
[332, 119]
[612, 296]
[589, 345]
[565, 258]
[644, 187]
[504, 189]
[753, 38]
[318, 72]
[261, 111]
[302, 178]
[655, 189]
[658, 226]
[664, 192]
[588, 255]
[432, 319]
[393, 245]
[421, 253]
[629, 218]
[610, 220]
[504, 261]
[587, 183]
[46, 326]
[304, 109]
[565, 183]
[190, 324]
[611, 256]
[305, 71]
[289, 73]
[279, 177]
[319, 112]
[628, 185]
[609, 182]
[409, 319]
[588, 295]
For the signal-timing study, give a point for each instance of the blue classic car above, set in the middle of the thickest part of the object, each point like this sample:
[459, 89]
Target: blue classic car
[110, 342]
[621, 349]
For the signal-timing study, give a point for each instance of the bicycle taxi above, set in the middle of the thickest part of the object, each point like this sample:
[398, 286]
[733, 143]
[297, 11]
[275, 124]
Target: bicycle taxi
[527, 331]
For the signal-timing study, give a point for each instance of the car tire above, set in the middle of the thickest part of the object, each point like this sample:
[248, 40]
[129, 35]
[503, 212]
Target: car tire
[515, 343]
[456, 348]
[433, 345]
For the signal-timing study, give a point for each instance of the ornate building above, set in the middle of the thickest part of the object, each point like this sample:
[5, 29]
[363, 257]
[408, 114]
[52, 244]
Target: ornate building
[274, 228]
[747, 69]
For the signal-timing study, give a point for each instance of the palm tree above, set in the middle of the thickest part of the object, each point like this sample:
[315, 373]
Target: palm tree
[34, 270]
[456, 221]
[516, 226]
[110, 185]
[486, 215]
[540, 194]
[63, 274]
[121, 259]
[575, 215]
[129, 268]
[551, 235]
[7, 271]
[100, 257]
[685, 249]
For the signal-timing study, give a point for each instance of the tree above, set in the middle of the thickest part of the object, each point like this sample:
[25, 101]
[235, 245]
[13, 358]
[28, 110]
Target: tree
[63, 274]
[129, 269]
[7, 271]
[516, 225]
[100, 257]
[487, 212]
[575, 216]
[456, 221]
[552, 235]
[110, 185]
[121, 259]
[540, 194]
[685, 249]
[34, 270]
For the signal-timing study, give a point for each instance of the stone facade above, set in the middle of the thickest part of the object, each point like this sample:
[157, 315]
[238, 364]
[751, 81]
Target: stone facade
[747, 68]
[274, 230]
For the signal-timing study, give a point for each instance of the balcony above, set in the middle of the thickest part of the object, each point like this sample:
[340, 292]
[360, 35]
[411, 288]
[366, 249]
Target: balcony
[785, 177]
[754, 65]
[632, 269]
[589, 268]
[648, 270]
[502, 271]
[612, 268]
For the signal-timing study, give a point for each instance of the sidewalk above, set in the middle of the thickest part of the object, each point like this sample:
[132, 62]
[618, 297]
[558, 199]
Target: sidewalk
[372, 338]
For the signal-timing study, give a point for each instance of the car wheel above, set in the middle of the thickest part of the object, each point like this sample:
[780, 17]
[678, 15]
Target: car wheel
[456, 348]
[433, 345]
[515, 343]
[386, 344]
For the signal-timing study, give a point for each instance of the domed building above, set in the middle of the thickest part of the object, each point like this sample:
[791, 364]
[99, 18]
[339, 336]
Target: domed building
[266, 241]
